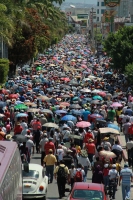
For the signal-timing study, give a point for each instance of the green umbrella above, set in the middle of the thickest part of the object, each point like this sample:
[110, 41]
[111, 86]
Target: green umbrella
[37, 80]
[21, 107]
[38, 68]
[97, 98]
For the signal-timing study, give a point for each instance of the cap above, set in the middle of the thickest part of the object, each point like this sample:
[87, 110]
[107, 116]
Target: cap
[113, 166]
[42, 115]
[106, 165]
[126, 164]
[50, 138]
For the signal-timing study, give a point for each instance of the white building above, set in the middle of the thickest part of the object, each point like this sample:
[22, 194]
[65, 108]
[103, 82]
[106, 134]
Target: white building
[100, 9]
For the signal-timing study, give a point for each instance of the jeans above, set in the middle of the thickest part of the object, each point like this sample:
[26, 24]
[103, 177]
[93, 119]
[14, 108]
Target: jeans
[50, 171]
[85, 170]
[90, 156]
[126, 137]
[125, 191]
[106, 180]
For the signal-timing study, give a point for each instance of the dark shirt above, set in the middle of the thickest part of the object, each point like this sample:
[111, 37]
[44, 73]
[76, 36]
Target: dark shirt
[68, 160]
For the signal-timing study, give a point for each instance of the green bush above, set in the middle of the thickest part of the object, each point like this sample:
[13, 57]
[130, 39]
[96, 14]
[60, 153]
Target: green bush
[4, 68]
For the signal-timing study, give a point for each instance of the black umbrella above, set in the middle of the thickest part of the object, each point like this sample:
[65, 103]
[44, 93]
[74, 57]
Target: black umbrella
[19, 138]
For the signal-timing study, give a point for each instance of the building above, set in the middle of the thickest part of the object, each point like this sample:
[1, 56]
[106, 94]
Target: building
[100, 9]
[123, 9]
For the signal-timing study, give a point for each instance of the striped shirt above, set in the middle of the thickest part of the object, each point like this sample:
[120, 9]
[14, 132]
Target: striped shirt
[126, 175]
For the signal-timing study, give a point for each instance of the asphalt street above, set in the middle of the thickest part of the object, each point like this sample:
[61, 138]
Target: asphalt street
[52, 188]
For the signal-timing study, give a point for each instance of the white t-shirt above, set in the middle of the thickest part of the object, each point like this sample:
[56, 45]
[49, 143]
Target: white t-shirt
[60, 153]
[66, 134]
[29, 144]
[129, 145]
[113, 173]
[42, 143]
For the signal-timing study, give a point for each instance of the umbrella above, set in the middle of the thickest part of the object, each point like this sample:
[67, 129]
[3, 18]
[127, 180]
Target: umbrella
[46, 111]
[39, 68]
[96, 91]
[21, 106]
[68, 118]
[30, 104]
[94, 116]
[21, 115]
[108, 73]
[73, 83]
[109, 130]
[64, 104]
[65, 79]
[60, 111]
[51, 125]
[65, 96]
[32, 110]
[75, 106]
[86, 90]
[103, 94]
[116, 105]
[114, 126]
[83, 124]
[75, 98]
[13, 96]
[95, 102]
[107, 154]
[97, 98]
[19, 138]
[45, 98]
[2, 104]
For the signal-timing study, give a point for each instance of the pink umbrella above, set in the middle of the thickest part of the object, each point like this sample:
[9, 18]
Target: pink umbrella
[64, 104]
[83, 124]
[103, 94]
[84, 66]
[65, 79]
[54, 58]
[116, 104]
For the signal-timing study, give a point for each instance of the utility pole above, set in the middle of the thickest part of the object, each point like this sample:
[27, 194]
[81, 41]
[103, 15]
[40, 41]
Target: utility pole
[92, 32]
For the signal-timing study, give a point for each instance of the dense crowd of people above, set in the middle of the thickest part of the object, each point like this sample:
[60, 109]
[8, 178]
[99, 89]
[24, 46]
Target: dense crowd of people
[69, 106]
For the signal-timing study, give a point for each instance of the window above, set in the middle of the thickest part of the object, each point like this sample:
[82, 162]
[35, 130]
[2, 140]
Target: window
[97, 11]
[97, 19]
[102, 11]
[102, 4]
[97, 3]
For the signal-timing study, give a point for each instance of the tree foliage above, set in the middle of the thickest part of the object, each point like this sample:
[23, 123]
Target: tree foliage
[129, 72]
[119, 47]
[4, 68]
[30, 26]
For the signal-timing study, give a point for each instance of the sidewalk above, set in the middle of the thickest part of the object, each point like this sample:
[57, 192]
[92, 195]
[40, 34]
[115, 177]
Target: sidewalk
[122, 142]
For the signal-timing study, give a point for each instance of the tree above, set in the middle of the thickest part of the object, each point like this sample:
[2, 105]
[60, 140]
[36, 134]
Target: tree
[4, 68]
[129, 72]
[119, 46]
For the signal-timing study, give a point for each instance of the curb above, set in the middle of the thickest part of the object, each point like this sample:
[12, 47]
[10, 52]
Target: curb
[125, 157]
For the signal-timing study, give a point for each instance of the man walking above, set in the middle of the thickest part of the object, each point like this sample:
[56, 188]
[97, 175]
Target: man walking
[50, 161]
[42, 143]
[125, 129]
[129, 147]
[61, 173]
[126, 176]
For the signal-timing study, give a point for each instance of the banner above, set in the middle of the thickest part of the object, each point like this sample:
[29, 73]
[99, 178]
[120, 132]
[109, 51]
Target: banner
[112, 3]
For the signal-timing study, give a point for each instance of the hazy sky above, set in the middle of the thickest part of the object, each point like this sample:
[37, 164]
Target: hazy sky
[83, 1]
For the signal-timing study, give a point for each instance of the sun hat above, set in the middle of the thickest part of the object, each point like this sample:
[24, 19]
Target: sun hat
[83, 153]
[105, 138]
[8, 137]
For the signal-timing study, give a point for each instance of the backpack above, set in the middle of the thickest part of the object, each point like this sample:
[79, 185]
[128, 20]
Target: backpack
[61, 172]
[78, 176]
[130, 130]
[8, 127]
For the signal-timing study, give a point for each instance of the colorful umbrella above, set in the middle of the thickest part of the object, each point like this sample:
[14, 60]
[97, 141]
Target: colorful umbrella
[13, 96]
[97, 98]
[116, 105]
[103, 94]
[21, 115]
[83, 124]
[60, 112]
[21, 107]
[68, 118]
[65, 79]
[94, 116]
[114, 126]
[65, 103]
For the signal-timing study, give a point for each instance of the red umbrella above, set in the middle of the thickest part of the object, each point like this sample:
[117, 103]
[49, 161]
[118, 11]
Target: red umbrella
[13, 96]
[3, 91]
[83, 124]
[65, 79]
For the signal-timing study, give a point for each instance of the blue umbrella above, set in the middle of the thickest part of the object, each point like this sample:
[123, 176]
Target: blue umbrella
[68, 118]
[21, 115]
[85, 115]
[60, 111]
[114, 126]
[75, 98]
[97, 98]
[108, 73]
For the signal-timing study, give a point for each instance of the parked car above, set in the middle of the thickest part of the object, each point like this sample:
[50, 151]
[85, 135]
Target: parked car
[91, 191]
[35, 183]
